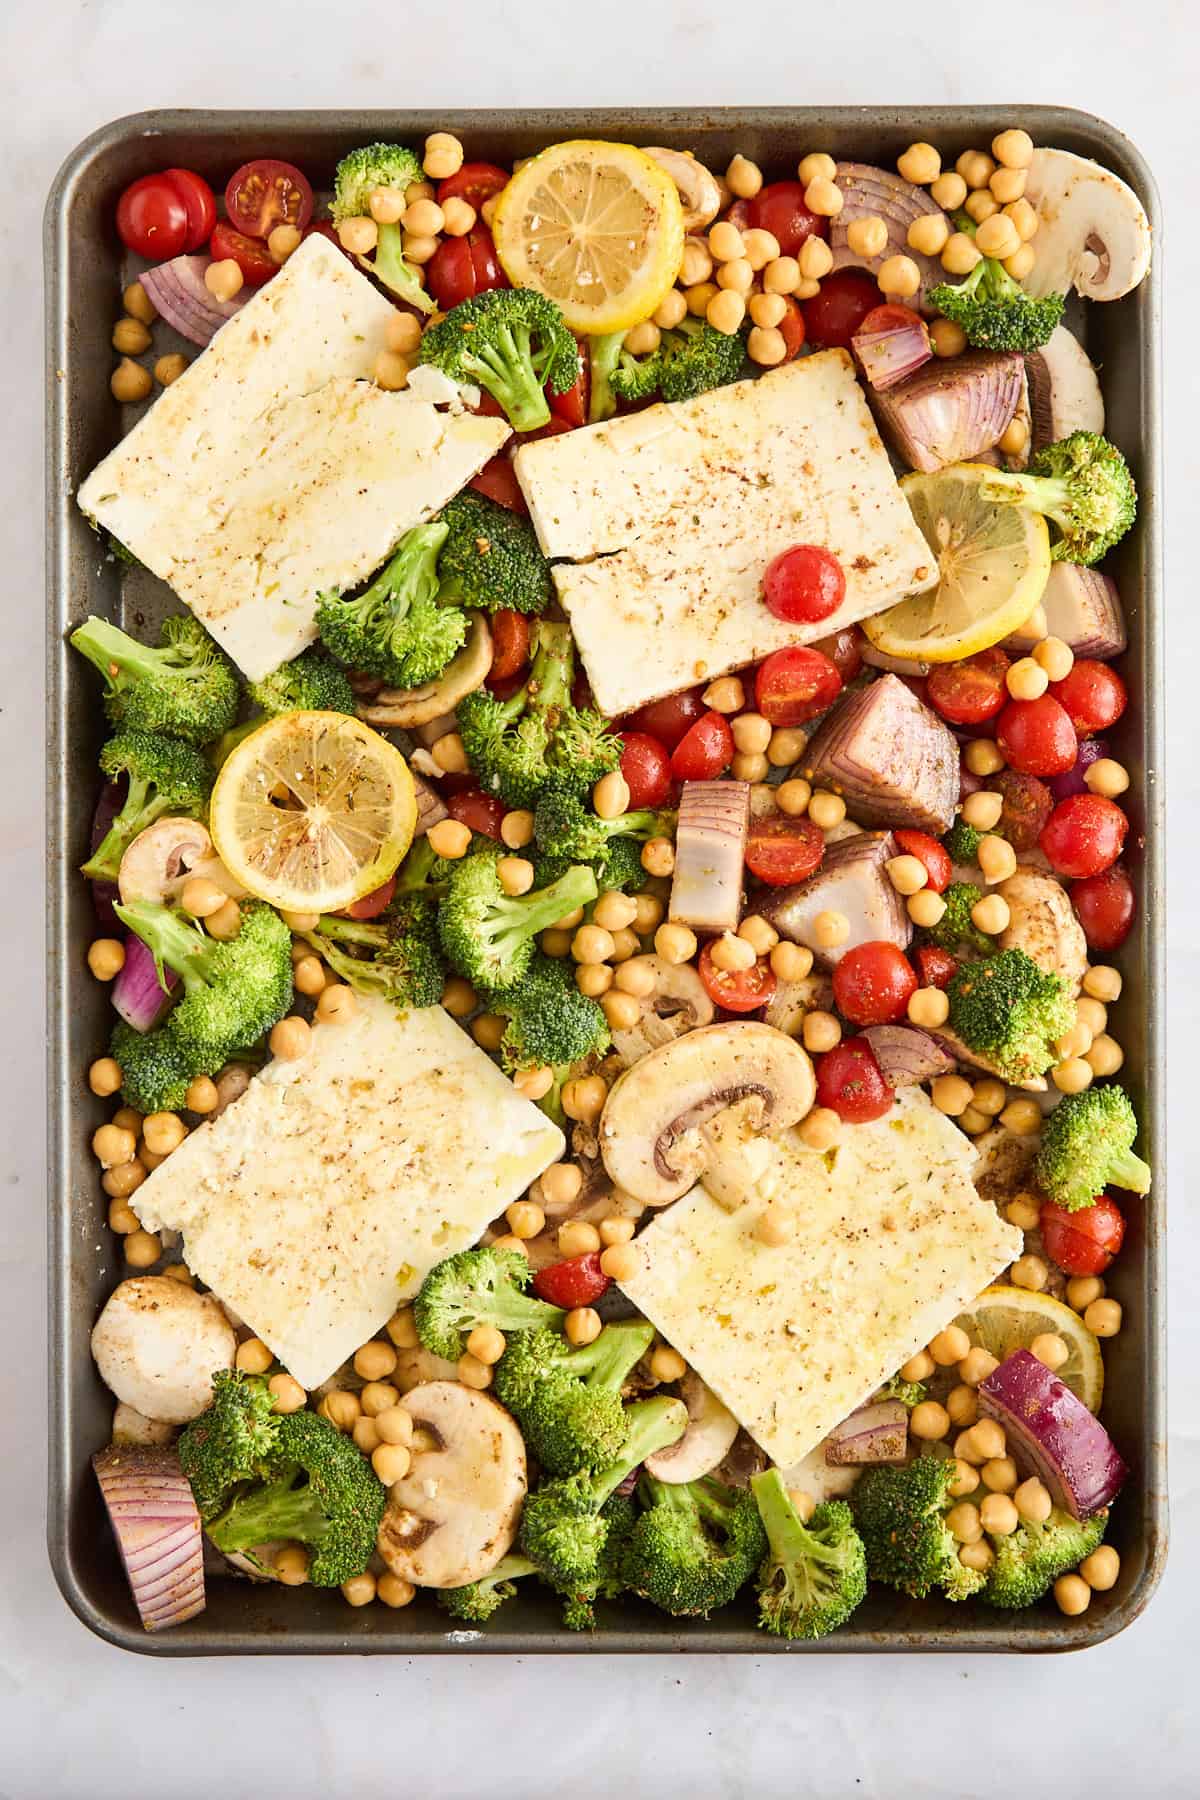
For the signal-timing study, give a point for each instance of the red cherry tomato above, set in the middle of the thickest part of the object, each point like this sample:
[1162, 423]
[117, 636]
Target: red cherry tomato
[791, 329]
[462, 267]
[1093, 696]
[890, 317]
[832, 317]
[1028, 803]
[481, 812]
[851, 1082]
[1084, 835]
[646, 766]
[736, 990]
[795, 684]
[576, 1282]
[1105, 906]
[970, 692]
[498, 480]
[201, 204]
[374, 903]
[1084, 1242]
[668, 720]
[475, 182]
[804, 584]
[873, 984]
[152, 218]
[250, 254]
[266, 193]
[935, 967]
[510, 643]
[706, 751]
[779, 208]
[939, 870]
[572, 407]
[780, 851]
[844, 650]
[1037, 737]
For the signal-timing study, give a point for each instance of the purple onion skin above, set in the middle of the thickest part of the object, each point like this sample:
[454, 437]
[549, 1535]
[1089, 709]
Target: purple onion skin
[876, 1433]
[1063, 786]
[105, 893]
[1051, 1433]
[137, 993]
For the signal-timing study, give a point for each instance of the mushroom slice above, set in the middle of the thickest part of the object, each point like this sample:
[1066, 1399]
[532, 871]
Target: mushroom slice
[403, 708]
[455, 1513]
[707, 1441]
[415, 1366]
[655, 1130]
[1093, 233]
[1064, 392]
[1042, 923]
[156, 1345]
[678, 1002]
[699, 194]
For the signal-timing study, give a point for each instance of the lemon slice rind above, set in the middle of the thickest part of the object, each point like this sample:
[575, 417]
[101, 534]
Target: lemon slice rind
[1004, 1319]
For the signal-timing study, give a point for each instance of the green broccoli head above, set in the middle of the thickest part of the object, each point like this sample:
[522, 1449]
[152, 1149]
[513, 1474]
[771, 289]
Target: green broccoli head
[1087, 1143]
[477, 1287]
[956, 930]
[564, 826]
[909, 1393]
[396, 629]
[813, 1576]
[476, 1603]
[1011, 1011]
[488, 935]
[155, 1071]
[994, 310]
[1082, 484]
[491, 558]
[513, 342]
[164, 775]
[396, 168]
[961, 844]
[568, 1401]
[696, 1544]
[186, 688]
[900, 1514]
[549, 1020]
[691, 358]
[1031, 1558]
[233, 1441]
[311, 682]
[403, 961]
[579, 1607]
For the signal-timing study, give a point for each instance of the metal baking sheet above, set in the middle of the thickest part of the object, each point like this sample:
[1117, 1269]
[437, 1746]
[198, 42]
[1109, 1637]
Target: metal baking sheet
[85, 267]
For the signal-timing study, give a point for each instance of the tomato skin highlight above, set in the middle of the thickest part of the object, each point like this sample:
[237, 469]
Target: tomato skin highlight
[646, 766]
[250, 254]
[1106, 907]
[851, 1083]
[200, 202]
[873, 984]
[1084, 835]
[781, 851]
[374, 903]
[779, 208]
[935, 967]
[832, 317]
[265, 193]
[938, 868]
[577, 1281]
[804, 584]
[796, 684]
[1083, 1242]
[479, 811]
[737, 990]
[668, 720]
[1092, 695]
[969, 692]
[510, 643]
[475, 182]
[1037, 737]
[706, 751]
[152, 218]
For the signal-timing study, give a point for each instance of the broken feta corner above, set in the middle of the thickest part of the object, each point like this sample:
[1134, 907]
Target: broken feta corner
[889, 1242]
[316, 1204]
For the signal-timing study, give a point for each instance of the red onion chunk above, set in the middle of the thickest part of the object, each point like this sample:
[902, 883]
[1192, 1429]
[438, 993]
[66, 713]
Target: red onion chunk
[430, 810]
[152, 1512]
[1051, 1433]
[710, 846]
[1063, 786]
[876, 1433]
[178, 291]
[907, 1055]
[953, 410]
[868, 192]
[106, 893]
[887, 357]
[891, 759]
[1083, 607]
[852, 880]
[138, 994]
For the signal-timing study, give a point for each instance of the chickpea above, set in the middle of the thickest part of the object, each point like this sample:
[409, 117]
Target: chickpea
[815, 259]
[291, 1566]
[949, 1346]
[962, 1403]
[615, 1231]
[972, 1121]
[1072, 1595]
[106, 958]
[1107, 777]
[701, 297]
[401, 1329]
[282, 241]
[643, 339]
[997, 235]
[732, 953]
[578, 1237]
[675, 943]
[224, 279]
[309, 976]
[424, 219]
[1022, 1116]
[929, 1420]
[1023, 1212]
[820, 1031]
[899, 275]
[488, 1029]
[989, 1440]
[824, 197]
[1082, 1290]
[929, 234]
[727, 309]
[402, 334]
[919, 1367]
[123, 1180]
[449, 838]
[113, 1144]
[291, 1038]
[286, 1393]
[960, 254]
[104, 1077]
[130, 382]
[793, 797]
[1026, 220]
[815, 165]
[965, 1480]
[827, 811]
[725, 242]
[1029, 1272]
[949, 191]
[360, 1589]
[375, 1360]
[459, 997]
[1101, 1568]
[556, 943]
[907, 874]
[756, 932]
[621, 1010]
[925, 908]
[1026, 679]
[672, 310]
[1036, 623]
[1013, 149]
[867, 236]
[128, 1118]
[225, 923]
[983, 809]
[1105, 1056]
[591, 944]
[920, 164]
[947, 338]
[130, 337]
[121, 1217]
[593, 979]
[1103, 1318]
[766, 310]
[1015, 436]
[391, 1462]
[619, 1262]
[991, 914]
[736, 277]
[443, 155]
[365, 1433]
[1032, 1500]
[1007, 186]
[394, 1590]
[376, 1396]
[253, 1357]
[976, 1366]
[743, 178]
[997, 1514]
[1072, 1076]
[976, 168]
[725, 695]
[138, 304]
[583, 1099]
[774, 1227]
[928, 1008]
[786, 747]
[989, 1096]
[951, 1094]
[791, 962]
[697, 264]
[821, 1129]
[766, 347]
[582, 1325]
[231, 1085]
[341, 1408]
[163, 1132]
[473, 1373]
[963, 1523]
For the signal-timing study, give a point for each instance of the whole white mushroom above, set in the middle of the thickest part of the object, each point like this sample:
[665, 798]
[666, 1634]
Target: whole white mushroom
[157, 1344]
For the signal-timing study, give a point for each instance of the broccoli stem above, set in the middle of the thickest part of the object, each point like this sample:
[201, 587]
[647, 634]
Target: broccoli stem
[390, 267]
[277, 1510]
[115, 654]
[790, 1541]
[104, 863]
[1129, 1171]
[608, 1359]
[182, 946]
[549, 683]
[527, 914]
[353, 931]
[505, 368]
[603, 355]
[653, 1425]
[1049, 495]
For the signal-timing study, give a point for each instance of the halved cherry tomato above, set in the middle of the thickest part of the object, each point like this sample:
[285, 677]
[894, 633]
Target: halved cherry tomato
[510, 643]
[873, 984]
[851, 1082]
[832, 317]
[889, 317]
[668, 720]
[462, 267]
[1083, 1242]
[646, 766]
[498, 480]
[939, 870]
[844, 650]
[475, 182]
[706, 751]
[250, 254]
[1105, 906]
[737, 990]
[201, 204]
[572, 407]
[780, 851]
[804, 584]
[935, 967]
[1084, 835]
[1093, 696]
[795, 684]
[152, 218]
[481, 812]
[779, 208]
[578, 1281]
[1037, 737]
[1028, 803]
[266, 193]
[374, 903]
[970, 692]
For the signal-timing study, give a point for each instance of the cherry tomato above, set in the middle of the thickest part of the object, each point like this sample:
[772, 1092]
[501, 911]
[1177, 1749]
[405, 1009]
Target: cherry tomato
[475, 182]
[374, 903]
[1093, 696]
[578, 1281]
[1028, 803]
[779, 208]
[1037, 737]
[481, 812]
[498, 480]
[832, 317]
[152, 218]
[890, 317]
[201, 204]
[668, 720]
[791, 329]
[462, 267]
[780, 850]
[939, 870]
[970, 692]
[266, 193]
[250, 254]
[706, 750]
[736, 990]
[1106, 907]
[851, 1082]
[510, 643]
[795, 684]
[873, 984]
[572, 407]
[844, 650]
[935, 967]
[1084, 1242]
[804, 584]
[1084, 835]
[646, 766]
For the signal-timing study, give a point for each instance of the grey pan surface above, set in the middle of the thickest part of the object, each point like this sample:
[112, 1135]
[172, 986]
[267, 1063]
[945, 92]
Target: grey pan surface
[85, 265]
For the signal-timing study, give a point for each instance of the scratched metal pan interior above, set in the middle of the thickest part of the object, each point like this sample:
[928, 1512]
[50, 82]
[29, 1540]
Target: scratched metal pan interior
[84, 273]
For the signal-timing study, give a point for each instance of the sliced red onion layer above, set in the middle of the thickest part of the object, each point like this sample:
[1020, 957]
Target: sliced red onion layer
[178, 291]
[851, 880]
[876, 1433]
[887, 357]
[893, 665]
[890, 758]
[150, 1505]
[954, 410]
[907, 1055]
[868, 192]
[1052, 1433]
[1082, 607]
[1063, 786]
[137, 993]
[430, 810]
[710, 845]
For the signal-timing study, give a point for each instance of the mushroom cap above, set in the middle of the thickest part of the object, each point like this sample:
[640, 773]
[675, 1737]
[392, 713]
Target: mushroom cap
[1064, 391]
[158, 859]
[706, 1442]
[679, 1002]
[403, 708]
[1043, 923]
[699, 192]
[1093, 233]
[156, 1345]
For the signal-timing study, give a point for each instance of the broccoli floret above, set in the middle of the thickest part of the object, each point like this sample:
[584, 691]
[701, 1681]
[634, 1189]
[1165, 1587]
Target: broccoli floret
[900, 1515]
[423, 871]
[233, 1441]
[1082, 485]
[475, 1603]
[491, 558]
[122, 552]
[155, 1073]
[311, 682]
[896, 1388]
[1031, 1558]
[622, 869]
[956, 930]
[513, 342]
[406, 965]
[184, 689]
[1087, 1142]
[993, 309]
[696, 1544]
[813, 1576]
[568, 1401]
[691, 358]
[1011, 1011]
[164, 776]
[488, 935]
[318, 1490]
[477, 1287]
[564, 826]
[356, 176]
[549, 1020]
[579, 1609]
[961, 843]
[396, 628]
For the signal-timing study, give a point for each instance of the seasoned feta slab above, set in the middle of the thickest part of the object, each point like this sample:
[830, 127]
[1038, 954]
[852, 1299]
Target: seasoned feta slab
[317, 1203]
[669, 517]
[890, 1241]
[272, 468]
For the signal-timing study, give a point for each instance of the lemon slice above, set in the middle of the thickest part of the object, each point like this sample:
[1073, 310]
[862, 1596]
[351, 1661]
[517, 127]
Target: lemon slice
[312, 811]
[596, 227]
[994, 562]
[1004, 1319]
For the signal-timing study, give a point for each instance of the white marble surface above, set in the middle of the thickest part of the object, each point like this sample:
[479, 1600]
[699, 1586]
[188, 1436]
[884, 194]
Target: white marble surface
[77, 1717]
